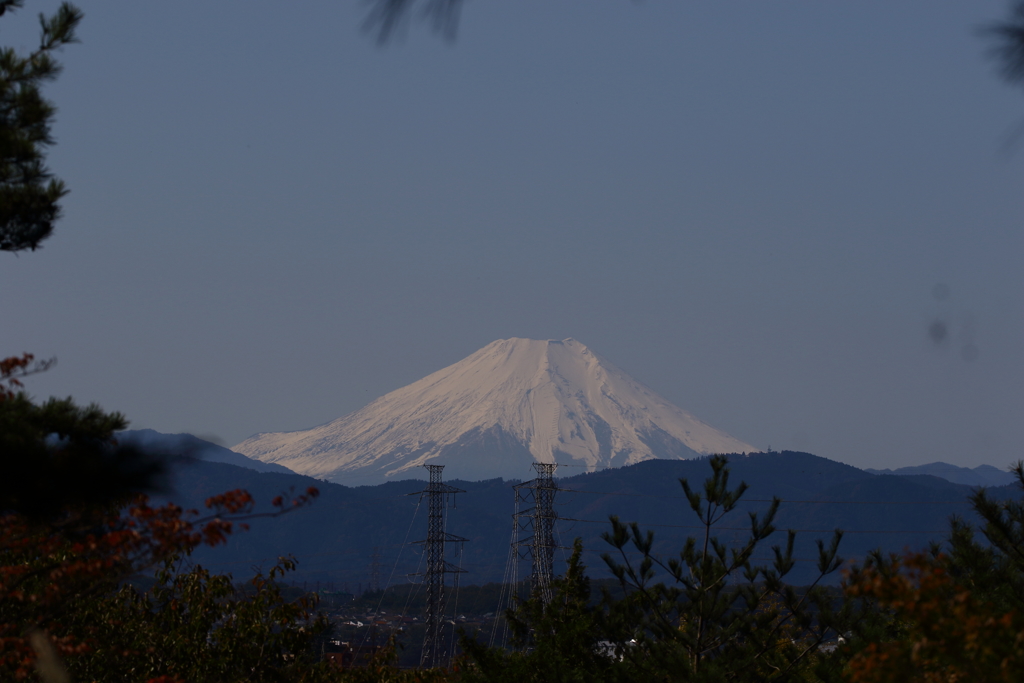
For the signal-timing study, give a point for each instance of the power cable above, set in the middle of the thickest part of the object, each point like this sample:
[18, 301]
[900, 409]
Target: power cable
[786, 500]
[739, 528]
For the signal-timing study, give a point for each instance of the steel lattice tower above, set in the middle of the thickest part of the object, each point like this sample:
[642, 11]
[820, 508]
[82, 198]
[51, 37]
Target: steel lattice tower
[540, 519]
[438, 495]
[375, 569]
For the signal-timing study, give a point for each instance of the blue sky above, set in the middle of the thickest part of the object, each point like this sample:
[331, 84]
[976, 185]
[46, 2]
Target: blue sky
[757, 209]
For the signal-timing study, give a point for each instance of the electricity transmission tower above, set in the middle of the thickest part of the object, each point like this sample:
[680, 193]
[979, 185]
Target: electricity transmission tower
[539, 519]
[375, 570]
[438, 495]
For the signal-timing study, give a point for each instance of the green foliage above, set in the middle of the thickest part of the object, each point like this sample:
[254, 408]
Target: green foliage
[70, 532]
[958, 610]
[383, 669]
[57, 455]
[994, 569]
[29, 194]
[722, 617]
[558, 641]
[199, 627]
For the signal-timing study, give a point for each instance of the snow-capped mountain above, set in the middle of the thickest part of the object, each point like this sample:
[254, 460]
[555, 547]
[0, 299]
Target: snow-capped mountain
[492, 414]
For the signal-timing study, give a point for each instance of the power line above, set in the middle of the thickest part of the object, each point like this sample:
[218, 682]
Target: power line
[753, 559]
[784, 500]
[397, 496]
[740, 528]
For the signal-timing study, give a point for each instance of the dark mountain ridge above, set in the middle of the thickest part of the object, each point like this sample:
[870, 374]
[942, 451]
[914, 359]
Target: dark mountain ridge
[335, 538]
[982, 475]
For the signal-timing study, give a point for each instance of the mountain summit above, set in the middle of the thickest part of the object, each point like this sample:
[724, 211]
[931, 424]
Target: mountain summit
[492, 414]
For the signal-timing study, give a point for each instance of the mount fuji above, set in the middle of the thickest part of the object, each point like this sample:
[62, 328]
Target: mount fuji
[492, 414]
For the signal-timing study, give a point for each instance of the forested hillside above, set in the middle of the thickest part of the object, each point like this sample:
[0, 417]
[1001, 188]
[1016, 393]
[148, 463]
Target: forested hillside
[335, 539]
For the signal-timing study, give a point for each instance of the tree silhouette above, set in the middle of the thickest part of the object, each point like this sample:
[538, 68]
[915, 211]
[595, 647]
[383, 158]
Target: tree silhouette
[29, 193]
[388, 16]
[1008, 44]
[959, 607]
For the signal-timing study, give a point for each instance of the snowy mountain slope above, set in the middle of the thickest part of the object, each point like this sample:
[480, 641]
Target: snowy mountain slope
[511, 403]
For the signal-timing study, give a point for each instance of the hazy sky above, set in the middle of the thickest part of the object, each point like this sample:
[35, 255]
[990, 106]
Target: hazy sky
[768, 212]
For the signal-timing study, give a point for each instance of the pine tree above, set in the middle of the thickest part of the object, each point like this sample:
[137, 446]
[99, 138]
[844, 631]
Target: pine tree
[555, 641]
[720, 616]
[959, 606]
[1008, 44]
[29, 194]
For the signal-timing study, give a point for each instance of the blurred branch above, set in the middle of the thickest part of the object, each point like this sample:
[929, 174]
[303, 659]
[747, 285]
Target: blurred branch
[1008, 44]
[386, 17]
[12, 369]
